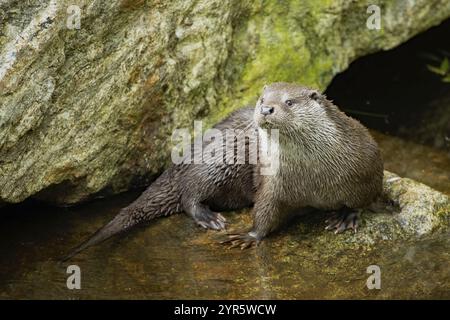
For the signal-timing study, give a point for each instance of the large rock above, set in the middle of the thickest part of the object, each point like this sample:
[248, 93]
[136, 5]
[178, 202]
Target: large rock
[90, 111]
[420, 211]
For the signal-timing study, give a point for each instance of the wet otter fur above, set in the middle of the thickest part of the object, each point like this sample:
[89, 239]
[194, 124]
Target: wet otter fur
[327, 161]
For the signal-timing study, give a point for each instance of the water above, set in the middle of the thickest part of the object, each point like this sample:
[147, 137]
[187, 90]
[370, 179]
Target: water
[416, 161]
[173, 258]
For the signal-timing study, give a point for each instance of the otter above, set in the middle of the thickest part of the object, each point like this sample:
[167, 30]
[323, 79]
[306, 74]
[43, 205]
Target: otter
[326, 160]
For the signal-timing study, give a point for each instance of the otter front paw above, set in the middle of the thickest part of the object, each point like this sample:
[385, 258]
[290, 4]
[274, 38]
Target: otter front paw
[343, 220]
[211, 220]
[242, 240]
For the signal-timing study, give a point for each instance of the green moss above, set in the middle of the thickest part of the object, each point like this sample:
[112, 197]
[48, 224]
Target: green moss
[279, 51]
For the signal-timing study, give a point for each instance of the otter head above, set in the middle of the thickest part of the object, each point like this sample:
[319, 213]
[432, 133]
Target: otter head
[289, 107]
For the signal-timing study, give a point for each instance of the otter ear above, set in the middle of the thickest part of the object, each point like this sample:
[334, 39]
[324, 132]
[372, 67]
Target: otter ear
[315, 96]
[318, 97]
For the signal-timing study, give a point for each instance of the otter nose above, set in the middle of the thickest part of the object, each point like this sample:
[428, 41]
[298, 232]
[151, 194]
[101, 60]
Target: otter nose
[265, 110]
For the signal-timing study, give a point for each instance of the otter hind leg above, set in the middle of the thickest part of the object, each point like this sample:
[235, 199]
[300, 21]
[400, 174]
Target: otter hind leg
[206, 218]
[342, 220]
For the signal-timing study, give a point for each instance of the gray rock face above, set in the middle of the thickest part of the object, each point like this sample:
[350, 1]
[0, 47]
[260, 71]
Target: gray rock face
[90, 111]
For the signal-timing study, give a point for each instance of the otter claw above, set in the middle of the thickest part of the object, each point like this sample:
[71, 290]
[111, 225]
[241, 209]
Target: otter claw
[202, 224]
[244, 241]
[221, 218]
[342, 221]
[212, 221]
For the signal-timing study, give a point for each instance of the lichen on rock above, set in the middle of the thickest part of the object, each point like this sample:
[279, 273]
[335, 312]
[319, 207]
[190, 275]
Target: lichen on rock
[422, 209]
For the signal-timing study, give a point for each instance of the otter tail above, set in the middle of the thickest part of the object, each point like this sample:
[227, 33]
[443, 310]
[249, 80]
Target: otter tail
[160, 199]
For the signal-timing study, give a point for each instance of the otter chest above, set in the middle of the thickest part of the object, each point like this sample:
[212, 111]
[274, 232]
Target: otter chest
[302, 180]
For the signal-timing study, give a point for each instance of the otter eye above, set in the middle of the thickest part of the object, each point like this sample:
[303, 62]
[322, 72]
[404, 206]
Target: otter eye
[289, 103]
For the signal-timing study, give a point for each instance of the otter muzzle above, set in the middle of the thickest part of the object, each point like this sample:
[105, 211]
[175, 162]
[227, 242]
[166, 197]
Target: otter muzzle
[265, 110]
